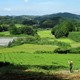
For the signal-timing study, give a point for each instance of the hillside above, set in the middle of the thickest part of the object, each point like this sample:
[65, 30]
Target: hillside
[49, 16]
[63, 15]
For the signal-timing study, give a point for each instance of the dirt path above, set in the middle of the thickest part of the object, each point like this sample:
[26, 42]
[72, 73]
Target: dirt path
[69, 76]
[30, 75]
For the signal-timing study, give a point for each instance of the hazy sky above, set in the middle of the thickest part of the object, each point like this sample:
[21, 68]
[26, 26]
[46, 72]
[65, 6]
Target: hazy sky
[38, 7]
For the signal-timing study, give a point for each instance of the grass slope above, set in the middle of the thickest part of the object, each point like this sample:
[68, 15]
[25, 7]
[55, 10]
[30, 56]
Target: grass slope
[31, 48]
[42, 61]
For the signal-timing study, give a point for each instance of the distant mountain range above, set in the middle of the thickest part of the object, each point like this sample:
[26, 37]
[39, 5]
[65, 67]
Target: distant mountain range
[63, 15]
[55, 17]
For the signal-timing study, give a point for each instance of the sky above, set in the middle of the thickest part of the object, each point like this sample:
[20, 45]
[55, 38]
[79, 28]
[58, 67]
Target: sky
[38, 7]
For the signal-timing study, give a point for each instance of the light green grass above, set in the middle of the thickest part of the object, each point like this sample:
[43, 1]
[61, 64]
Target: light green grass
[6, 33]
[76, 44]
[65, 40]
[23, 54]
[42, 59]
[18, 25]
[31, 48]
[45, 34]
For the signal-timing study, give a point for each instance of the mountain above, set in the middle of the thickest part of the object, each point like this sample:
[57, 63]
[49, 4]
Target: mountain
[62, 15]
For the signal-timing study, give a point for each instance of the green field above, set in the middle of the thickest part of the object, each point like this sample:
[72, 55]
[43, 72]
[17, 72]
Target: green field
[31, 48]
[48, 60]
[6, 33]
[27, 56]
[45, 34]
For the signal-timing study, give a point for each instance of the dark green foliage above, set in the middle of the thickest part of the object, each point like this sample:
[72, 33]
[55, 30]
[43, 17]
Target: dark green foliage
[75, 50]
[54, 29]
[74, 36]
[4, 27]
[63, 29]
[59, 33]
[64, 15]
[13, 30]
[28, 22]
[62, 44]
[24, 40]
[62, 50]
[77, 25]
[50, 22]
[26, 30]
[44, 52]
[22, 30]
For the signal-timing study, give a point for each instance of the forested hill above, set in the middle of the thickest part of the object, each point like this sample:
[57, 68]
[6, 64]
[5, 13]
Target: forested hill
[63, 15]
[45, 21]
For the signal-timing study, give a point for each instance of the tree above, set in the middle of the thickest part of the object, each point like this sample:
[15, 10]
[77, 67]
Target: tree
[63, 29]
[47, 24]
[22, 30]
[59, 33]
[13, 30]
[28, 22]
[27, 30]
[4, 27]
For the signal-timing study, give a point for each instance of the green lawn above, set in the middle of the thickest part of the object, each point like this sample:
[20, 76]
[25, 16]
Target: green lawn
[57, 61]
[31, 48]
[18, 25]
[45, 34]
[6, 33]
[24, 54]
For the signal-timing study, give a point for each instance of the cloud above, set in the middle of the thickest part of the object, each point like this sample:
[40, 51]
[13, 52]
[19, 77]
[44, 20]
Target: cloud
[26, 0]
[7, 9]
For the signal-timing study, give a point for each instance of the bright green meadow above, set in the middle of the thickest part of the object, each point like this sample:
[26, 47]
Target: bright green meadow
[27, 54]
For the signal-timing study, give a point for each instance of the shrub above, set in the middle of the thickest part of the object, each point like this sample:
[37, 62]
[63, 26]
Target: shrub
[74, 36]
[75, 50]
[41, 52]
[63, 29]
[62, 50]
[26, 30]
[61, 44]
[58, 33]
[13, 30]
[22, 30]
[28, 39]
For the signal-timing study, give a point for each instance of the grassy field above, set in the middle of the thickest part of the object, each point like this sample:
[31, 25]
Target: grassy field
[42, 61]
[6, 33]
[45, 34]
[31, 48]
[26, 57]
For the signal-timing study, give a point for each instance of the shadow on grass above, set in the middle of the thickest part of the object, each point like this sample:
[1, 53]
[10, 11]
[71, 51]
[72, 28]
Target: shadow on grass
[2, 64]
[44, 67]
[17, 72]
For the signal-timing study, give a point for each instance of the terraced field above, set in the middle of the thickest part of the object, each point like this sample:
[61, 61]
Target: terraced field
[31, 58]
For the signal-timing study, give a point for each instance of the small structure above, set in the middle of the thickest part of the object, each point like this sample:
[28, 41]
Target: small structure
[5, 41]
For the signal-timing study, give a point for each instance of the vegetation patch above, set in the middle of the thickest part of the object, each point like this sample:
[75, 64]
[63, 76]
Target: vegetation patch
[3, 64]
[74, 36]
